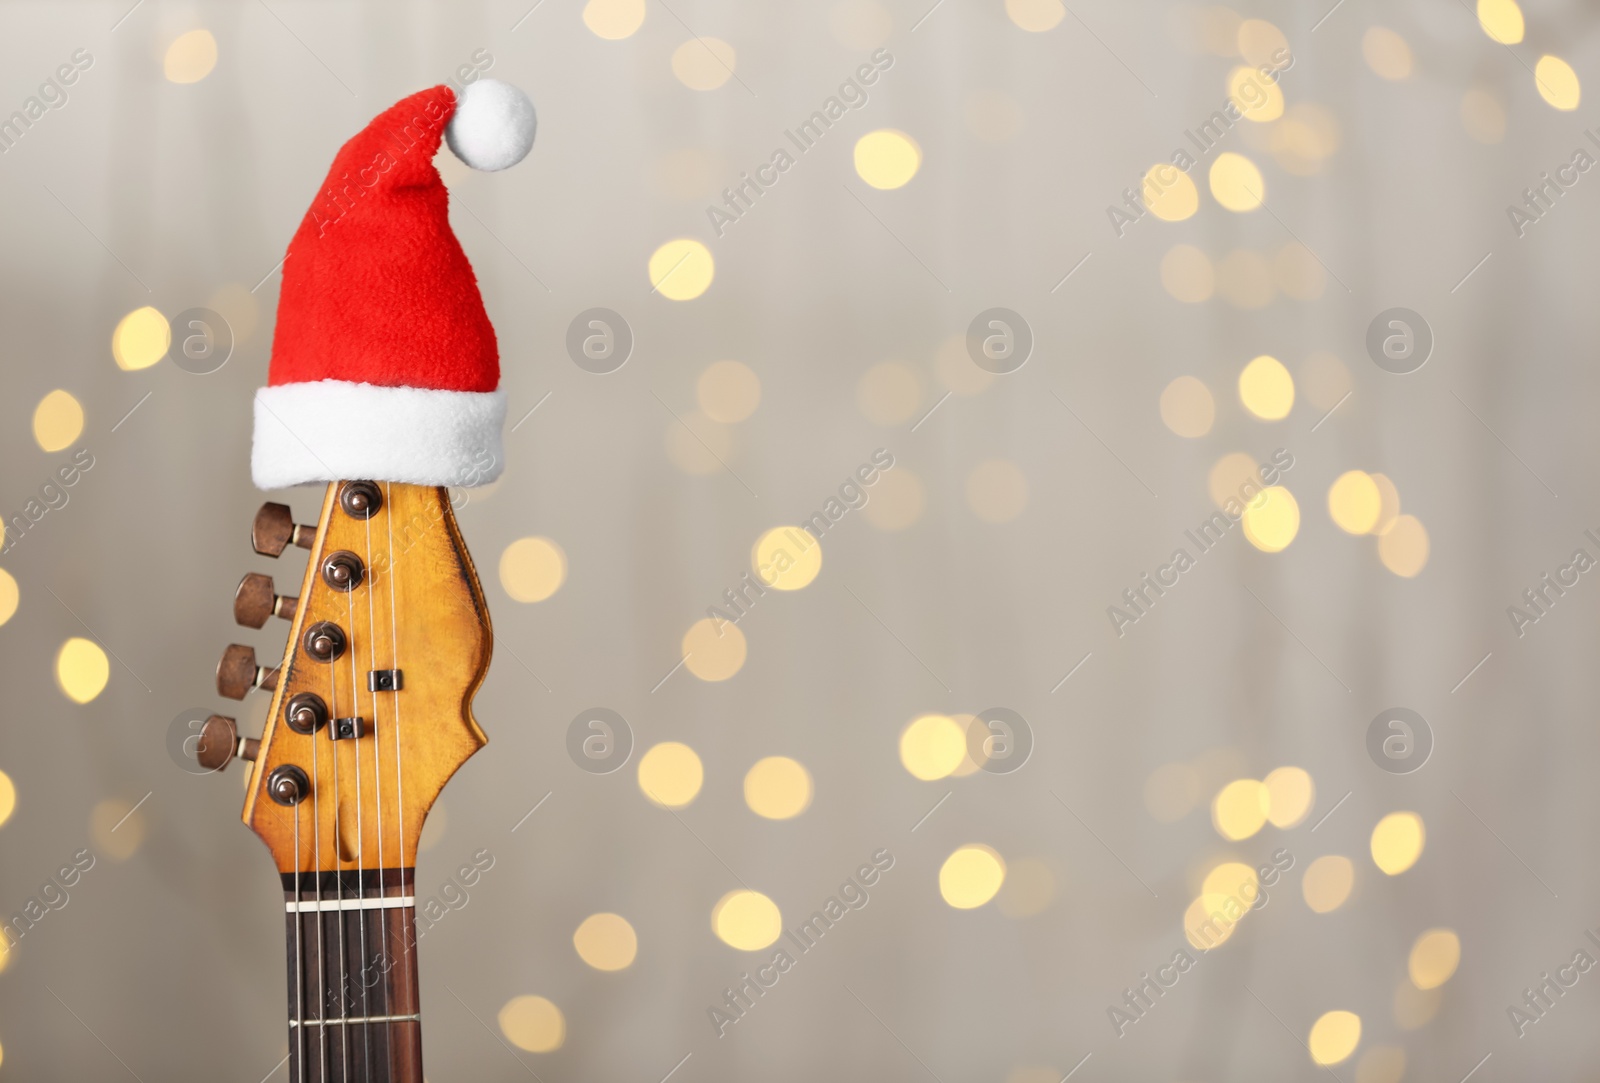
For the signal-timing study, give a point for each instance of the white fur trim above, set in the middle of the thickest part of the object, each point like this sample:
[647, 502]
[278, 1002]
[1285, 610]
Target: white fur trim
[493, 125]
[333, 430]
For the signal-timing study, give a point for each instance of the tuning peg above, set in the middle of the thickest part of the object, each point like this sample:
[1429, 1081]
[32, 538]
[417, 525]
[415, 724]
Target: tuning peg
[257, 599]
[275, 528]
[220, 743]
[238, 673]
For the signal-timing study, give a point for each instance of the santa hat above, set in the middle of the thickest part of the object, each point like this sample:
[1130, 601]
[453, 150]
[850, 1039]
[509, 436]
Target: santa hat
[384, 363]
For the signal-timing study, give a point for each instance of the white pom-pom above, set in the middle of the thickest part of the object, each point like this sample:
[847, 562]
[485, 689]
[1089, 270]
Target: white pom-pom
[493, 125]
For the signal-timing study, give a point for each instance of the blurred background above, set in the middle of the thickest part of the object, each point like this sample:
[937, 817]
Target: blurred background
[1351, 721]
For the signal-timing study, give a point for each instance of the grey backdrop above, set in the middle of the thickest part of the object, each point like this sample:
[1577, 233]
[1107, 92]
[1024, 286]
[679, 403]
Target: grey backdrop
[167, 963]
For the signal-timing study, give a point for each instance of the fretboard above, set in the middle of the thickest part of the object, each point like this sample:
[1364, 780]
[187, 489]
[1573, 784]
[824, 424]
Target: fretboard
[354, 1013]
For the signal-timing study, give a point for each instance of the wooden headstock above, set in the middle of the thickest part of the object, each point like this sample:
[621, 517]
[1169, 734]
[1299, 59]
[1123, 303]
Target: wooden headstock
[372, 710]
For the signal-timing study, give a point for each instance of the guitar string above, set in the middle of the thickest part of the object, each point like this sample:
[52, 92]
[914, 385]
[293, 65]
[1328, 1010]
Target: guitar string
[299, 951]
[338, 870]
[362, 1009]
[377, 779]
[316, 864]
[399, 754]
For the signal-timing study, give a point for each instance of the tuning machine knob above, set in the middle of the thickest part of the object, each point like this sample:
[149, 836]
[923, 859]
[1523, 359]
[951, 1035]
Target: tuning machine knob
[238, 673]
[257, 599]
[274, 529]
[220, 743]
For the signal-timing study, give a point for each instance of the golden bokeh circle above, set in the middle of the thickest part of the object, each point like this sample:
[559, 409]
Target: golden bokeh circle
[670, 774]
[606, 942]
[532, 569]
[682, 269]
[714, 649]
[82, 669]
[777, 788]
[971, 876]
[747, 920]
[786, 558]
[887, 158]
[533, 1023]
[57, 421]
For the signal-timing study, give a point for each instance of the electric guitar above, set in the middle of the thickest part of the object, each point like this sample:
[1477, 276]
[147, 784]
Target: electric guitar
[371, 714]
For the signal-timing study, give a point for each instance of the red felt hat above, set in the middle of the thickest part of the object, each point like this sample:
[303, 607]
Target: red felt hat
[384, 363]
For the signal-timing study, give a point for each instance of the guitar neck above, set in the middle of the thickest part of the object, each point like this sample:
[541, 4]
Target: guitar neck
[354, 1012]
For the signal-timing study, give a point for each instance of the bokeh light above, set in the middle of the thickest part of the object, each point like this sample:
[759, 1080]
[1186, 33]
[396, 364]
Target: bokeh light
[1236, 182]
[1483, 115]
[1397, 842]
[1403, 548]
[704, 63]
[117, 828]
[1434, 958]
[533, 1023]
[1256, 97]
[714, 649]
[8, 798]
[1290, 795]
[1187, 274]
[887, 158]
[787, 558]
[682, 270]
[670, 774]
[1415, 1008]
[997, 491]
[1382, 1064]
[532, 569]
[9, 594]
[82, 669]
[971, 876]
[614, 19]
[932, 746]
[1557, 82]
[1029, 889]
[606, 942]
[1036, 16]
[1266, 389]
[1334, 1037]
[1169, 193]
[1240, 809]
[1187, 407]
[1388, 504]
[1327, 882]
[889, 393]
[746, 920]
[1501, 20]
[190, 57]
[898, 500]
[728, 392]
[57, 421]
[1386, 53]
[1272, 519]
[141, 339]
[1259, 41]
[777, 788]
[1354, 502]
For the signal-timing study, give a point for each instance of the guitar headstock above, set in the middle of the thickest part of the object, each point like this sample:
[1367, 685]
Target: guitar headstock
[372, 705]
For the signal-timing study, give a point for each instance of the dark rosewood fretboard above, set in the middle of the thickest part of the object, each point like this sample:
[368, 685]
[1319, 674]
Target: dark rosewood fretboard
[354, 1013]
